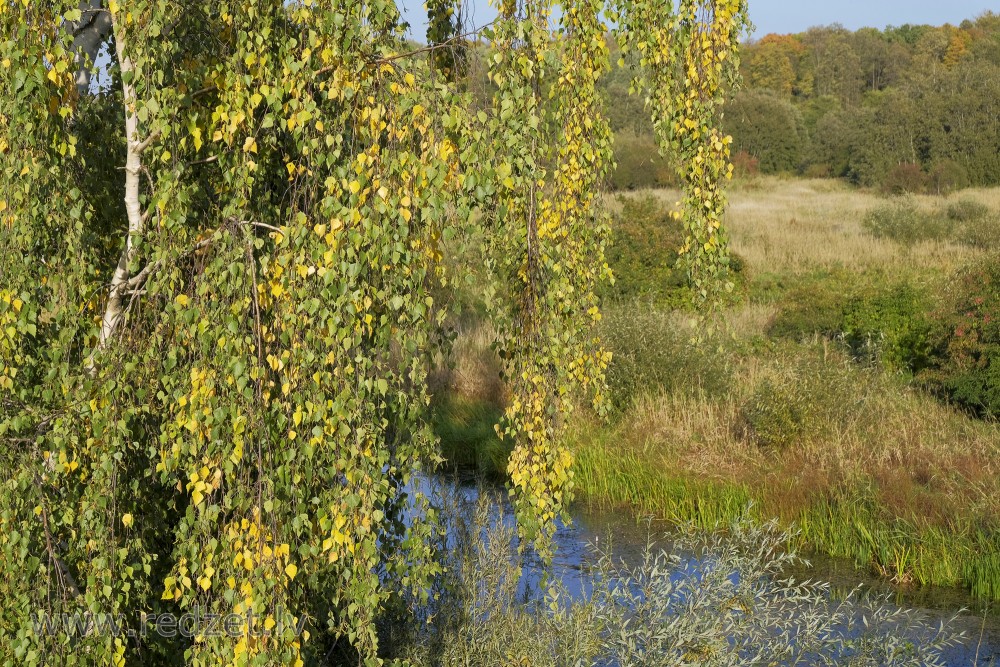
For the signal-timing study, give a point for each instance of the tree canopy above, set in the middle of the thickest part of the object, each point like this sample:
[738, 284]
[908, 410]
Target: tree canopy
[217, 312]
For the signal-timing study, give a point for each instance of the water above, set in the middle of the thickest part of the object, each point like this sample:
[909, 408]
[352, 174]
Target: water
[629, 538]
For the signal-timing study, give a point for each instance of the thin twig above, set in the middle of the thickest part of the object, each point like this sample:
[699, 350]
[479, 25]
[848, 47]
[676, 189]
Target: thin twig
[409, 54]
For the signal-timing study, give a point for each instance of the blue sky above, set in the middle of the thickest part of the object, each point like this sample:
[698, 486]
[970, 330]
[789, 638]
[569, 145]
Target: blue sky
[785, 16]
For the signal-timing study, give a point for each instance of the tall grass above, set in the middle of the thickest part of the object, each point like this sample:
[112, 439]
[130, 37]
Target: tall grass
[867, 469]
[864, 463]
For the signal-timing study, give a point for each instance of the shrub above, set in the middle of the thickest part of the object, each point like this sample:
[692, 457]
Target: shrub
[809, 400]
[645, 244]
[814, 308]
[967, 345]
[888, 325]
[745, 165]
[644, 253]
[947, 176]
[639, 164]
[977, 227]
[906, 178]
[650, 354]
[774, 417]
[891, 326]
[900, 221]
[982, 233]
[721, 598]
[817, 171]
[967, 210]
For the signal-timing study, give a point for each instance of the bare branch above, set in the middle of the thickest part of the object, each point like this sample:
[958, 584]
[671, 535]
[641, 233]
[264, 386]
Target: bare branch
[143, 145]
[450, 42]
[208, 160]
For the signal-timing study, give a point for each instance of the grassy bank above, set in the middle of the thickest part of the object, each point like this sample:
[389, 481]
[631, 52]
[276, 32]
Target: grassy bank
[816, 401]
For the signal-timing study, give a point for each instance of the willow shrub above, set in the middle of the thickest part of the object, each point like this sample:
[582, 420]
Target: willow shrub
[714, 598]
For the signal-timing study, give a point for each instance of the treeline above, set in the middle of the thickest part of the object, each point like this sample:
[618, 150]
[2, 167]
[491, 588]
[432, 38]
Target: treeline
[911, 108]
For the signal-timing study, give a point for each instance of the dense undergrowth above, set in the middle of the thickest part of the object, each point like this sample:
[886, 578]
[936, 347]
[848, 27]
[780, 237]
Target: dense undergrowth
[853, 397]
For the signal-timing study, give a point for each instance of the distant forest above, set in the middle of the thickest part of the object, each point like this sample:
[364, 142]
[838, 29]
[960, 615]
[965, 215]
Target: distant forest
[905, 109]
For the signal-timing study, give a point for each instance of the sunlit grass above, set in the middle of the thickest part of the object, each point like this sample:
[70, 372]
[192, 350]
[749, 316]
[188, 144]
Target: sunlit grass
[877, 471]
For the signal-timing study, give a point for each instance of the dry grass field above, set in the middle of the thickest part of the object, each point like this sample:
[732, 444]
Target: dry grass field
[789, 226]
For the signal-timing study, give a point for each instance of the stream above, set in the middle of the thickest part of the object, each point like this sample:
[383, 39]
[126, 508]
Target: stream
[979, 622]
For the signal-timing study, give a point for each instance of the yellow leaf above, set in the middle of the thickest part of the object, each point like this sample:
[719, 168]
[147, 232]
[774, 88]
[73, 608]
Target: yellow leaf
[53, 76]
[291, 570]
[113, 7]
[250, 145]
[127, 520]
[181, 300]
[355, 187]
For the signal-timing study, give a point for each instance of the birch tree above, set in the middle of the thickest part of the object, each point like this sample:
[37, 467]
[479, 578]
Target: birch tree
[216, 309]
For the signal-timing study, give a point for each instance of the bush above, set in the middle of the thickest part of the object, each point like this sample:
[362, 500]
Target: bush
[650, 354]
[900, 221]
[815, 308]
[640, 164]
[891, 326]
[774, 417]
[983, 233]
[745, 165]
[947, 176]
[967, 210]
[905, 178]
[810, 400]
[644, 253]
[721, 598]
[977, 227]
[967, 345]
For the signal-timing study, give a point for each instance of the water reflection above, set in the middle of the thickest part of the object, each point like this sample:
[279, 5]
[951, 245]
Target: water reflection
[628, 538]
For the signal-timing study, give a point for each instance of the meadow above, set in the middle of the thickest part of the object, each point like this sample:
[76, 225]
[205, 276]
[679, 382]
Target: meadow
[830, 392]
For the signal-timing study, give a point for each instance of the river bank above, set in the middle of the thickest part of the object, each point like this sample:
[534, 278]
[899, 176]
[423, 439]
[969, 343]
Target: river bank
[802, 400]
[627, 537]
